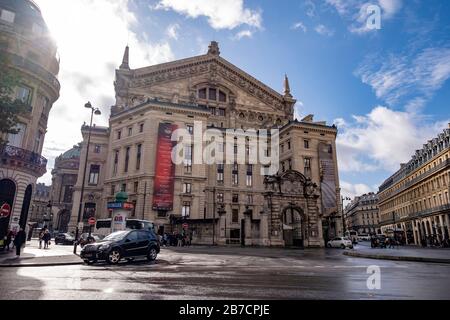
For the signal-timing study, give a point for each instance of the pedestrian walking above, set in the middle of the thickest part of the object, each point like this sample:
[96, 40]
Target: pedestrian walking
[46, 237]
[19, 241]
[8, 239]
[180, 240]
[165, 239]
[41, 238]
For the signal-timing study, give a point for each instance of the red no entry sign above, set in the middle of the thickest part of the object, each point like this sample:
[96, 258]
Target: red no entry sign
[5, 210]
[92, 221]
[185, 226]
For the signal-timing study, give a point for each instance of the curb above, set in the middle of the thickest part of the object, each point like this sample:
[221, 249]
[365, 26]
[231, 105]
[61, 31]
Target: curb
[30, 265]
[396, 258]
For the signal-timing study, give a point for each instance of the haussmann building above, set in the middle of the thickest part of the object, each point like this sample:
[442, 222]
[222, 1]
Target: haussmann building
[219, 203]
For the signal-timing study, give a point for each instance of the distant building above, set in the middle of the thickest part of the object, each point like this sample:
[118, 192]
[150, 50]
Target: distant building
[414, 202]
[30, 51]
[64, 178]
[40, 214]
[362, 214]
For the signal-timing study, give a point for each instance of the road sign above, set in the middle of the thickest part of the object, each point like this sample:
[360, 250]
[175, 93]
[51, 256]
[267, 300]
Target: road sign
[185, 226]
[5, 210]
[92, 221]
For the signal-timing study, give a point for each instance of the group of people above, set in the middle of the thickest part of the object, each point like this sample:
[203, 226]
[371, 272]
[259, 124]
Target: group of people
[45, 237]
[176, 239]
[378, 242]
[434, 241]
[17, 239]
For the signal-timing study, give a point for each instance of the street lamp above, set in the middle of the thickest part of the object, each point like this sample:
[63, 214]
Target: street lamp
[343, 214]
[97, 112]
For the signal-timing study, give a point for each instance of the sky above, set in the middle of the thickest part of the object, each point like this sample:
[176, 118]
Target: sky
[386, 88]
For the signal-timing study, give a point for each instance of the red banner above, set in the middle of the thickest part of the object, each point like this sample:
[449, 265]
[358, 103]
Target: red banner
[163, 189]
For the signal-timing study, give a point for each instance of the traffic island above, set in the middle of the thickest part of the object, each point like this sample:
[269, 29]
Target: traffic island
[394, 257]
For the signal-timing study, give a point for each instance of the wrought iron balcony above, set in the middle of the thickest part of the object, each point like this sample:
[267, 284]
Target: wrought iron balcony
[23, 159]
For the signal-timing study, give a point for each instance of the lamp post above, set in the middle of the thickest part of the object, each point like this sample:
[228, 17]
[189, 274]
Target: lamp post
[97, 112]
[343, 214]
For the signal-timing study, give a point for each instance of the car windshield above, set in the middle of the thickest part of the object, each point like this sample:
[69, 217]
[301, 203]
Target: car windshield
[116, 236]
[347, 239]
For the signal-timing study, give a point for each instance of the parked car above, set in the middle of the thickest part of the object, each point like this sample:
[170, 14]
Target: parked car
[120, 245]
[85, 239]
[364, 237]
[340, 242]
[65, 239]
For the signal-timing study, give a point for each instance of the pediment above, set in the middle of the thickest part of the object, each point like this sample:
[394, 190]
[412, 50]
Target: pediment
[212, 67]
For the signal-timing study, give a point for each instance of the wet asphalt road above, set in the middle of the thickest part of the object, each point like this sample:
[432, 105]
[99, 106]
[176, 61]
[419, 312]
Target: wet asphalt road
[231, 273]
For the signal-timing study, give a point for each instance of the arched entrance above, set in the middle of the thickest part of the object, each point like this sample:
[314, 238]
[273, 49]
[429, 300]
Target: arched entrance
[293, 227]
[26, 207]
[7, 195]
[63, 221]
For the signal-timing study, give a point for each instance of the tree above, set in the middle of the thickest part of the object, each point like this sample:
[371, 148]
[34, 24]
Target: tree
[10, 108]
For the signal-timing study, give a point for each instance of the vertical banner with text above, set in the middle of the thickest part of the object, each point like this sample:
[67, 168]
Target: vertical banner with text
[163, 189]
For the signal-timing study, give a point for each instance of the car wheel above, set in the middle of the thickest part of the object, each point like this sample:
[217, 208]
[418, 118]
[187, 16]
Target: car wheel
[114, 256]
[343, 246]
[152, 254]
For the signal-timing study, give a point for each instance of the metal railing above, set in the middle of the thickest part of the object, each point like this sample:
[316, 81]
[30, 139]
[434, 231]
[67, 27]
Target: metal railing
[29, 157]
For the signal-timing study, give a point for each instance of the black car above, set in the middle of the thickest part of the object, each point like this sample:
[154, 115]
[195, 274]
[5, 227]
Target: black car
[65, 239]
[120, 245]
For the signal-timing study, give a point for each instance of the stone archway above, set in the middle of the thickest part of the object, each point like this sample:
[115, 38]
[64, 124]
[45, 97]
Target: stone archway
[294, 223]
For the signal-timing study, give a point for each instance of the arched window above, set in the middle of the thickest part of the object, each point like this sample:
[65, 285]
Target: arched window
[212, 94]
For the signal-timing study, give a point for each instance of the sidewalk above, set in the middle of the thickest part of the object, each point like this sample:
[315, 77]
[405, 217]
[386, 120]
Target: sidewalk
[32, 256]
[406, 253]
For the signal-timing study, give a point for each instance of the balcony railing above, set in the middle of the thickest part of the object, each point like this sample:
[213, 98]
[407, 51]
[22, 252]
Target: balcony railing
[23, 158]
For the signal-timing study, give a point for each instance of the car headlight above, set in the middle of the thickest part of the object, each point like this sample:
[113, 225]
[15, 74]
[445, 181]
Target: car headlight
[104, 247]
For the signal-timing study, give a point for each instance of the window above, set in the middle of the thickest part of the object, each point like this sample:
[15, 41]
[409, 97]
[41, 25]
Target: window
[127, 159]
[190, 129]
[235, 198]
[94, 174]
[138, 156]
[222, 112]
[306, 144]
[124, 187]
[37, 29]
[222, 96]
[212, 94]
[289, 145]
[97, 149]
[202, 93]
[235, 216]
[37, 142]
[116, 161]
[213, 111]
[220, 197]
[249, 179]
[130, 131]
[113, 190]
[187, 188]
[141, 128]
[7, 15]
[119, 134]
[188, 159]
[16, 140]
[136, 187]
[235, 174]
[290, 164]
[186, 211]
[24, 94]
[307, 166]
[220, 172]
[283, 167]
[249, 199]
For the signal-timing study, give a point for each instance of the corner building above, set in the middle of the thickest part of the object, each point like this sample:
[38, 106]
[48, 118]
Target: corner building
[30, 52]
[220, 204]
[415, 200]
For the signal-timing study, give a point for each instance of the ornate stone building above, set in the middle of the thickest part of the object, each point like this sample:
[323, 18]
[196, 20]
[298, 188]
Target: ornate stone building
[415, 200]
[220, 203]
[40, 214]
[26, 43]
[362, 214]
[64, 178]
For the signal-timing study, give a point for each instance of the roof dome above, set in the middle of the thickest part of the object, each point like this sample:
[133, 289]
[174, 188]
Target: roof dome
[73, 153]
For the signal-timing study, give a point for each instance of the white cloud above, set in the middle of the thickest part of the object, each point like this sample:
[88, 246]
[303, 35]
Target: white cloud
[299, 25]
[91, 37]
[310, 8]
[390, 7]
[411, 79]
[243, 34]
[297, 111]
[353, 190]
[172, 31]
[383, 139]
[221, 14]
[324, 31]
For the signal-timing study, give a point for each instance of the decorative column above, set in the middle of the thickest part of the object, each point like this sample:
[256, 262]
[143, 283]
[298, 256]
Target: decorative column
[441, 223]
[447, 223]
